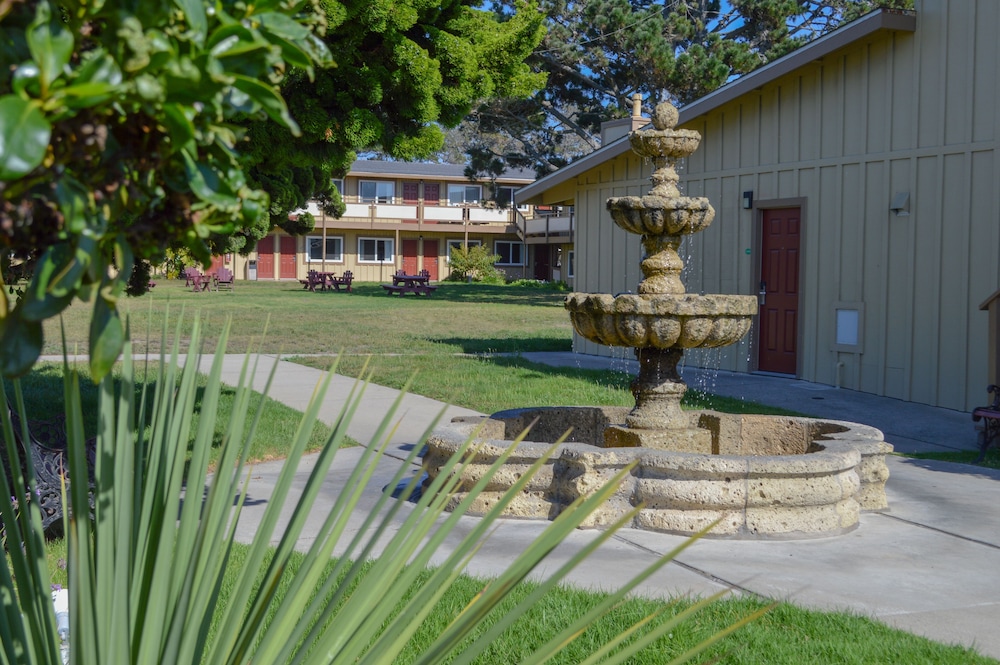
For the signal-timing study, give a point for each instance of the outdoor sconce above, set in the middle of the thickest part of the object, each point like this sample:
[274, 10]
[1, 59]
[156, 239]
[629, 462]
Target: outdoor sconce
[900, 205]
[748, 200]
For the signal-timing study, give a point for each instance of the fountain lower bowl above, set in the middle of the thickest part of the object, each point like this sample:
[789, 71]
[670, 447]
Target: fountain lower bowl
[656, 215]
[769, 477]
[661, 321]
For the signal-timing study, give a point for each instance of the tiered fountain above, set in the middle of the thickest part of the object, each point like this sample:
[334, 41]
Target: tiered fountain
[756, 476]
[661, 320]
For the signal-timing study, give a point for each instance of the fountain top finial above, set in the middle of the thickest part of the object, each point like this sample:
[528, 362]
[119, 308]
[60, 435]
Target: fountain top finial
[665, 116]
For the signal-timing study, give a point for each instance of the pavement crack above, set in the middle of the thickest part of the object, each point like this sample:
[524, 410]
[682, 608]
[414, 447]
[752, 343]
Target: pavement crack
[733, 586]
[941, 531]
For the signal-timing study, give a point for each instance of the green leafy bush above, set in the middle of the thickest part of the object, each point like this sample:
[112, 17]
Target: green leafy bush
[474, 263]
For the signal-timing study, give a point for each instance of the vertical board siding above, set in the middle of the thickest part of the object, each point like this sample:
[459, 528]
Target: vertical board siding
[900, 112]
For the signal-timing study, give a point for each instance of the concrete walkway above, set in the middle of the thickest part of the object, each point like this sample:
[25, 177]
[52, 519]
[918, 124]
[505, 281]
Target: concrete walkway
[928, 565]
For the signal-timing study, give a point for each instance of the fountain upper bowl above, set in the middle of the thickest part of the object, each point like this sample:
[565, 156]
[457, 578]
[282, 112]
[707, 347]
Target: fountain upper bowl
[669, 143]
[657, 215]
[661, 321]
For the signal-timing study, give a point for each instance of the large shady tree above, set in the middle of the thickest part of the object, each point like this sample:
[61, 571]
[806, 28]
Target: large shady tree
[404, 70]
[127, 128]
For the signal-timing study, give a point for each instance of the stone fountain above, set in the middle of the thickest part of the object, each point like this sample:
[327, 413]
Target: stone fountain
[752, 476]
[661, 320]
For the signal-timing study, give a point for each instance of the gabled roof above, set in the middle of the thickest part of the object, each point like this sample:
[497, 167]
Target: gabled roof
[876, 21]
[418, 170]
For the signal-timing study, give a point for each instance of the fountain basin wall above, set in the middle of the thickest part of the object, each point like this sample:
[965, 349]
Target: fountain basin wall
[768, 476]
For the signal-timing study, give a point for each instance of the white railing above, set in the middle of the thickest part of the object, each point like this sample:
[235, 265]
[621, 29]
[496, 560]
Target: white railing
[442, 214]
[549, 225]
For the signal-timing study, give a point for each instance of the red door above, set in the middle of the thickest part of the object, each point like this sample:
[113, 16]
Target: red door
[265, 258]
[410, 256]
[411, 192]
[432, 193]
[287, 257]
[779, 276]
[431, 258]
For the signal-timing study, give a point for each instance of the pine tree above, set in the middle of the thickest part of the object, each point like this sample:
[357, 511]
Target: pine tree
[598, 53]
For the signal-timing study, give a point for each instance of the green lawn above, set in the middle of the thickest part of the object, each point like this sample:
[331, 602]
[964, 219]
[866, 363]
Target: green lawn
[282, 317]
[427, 338]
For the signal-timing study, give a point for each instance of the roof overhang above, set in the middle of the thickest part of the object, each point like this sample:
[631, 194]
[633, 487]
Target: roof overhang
[894, 20]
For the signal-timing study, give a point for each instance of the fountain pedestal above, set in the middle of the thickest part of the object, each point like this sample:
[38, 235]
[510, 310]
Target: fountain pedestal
[657, 420]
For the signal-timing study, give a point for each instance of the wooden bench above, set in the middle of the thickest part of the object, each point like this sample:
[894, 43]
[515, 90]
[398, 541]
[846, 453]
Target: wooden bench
[418, 289]
[990, 415]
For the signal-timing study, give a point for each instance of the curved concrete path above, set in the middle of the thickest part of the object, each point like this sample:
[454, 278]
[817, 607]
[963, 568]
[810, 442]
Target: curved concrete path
[928, 565]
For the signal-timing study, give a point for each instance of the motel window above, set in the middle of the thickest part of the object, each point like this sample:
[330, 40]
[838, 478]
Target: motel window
[570, 260]
[377, 191]
[375, 250]
[334, 249]
[459, 194]
[511, 253]
[339, 184]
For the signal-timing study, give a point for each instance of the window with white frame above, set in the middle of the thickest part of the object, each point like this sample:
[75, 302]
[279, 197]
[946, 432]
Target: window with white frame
[375, 250]
[570, 260]
[456, 244]
[377, 191]
[459, 194]
[334, 249]
[339, 184]
[511, 252]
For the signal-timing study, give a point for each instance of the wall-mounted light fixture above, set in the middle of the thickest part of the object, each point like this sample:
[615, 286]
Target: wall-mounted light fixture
[900, 205]
[748, 200]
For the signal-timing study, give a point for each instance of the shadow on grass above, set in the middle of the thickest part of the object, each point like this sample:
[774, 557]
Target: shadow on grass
[460, 292]
[514, 345]
[43, 392]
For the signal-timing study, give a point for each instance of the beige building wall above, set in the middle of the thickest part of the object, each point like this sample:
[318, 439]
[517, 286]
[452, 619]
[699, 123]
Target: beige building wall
[900, 112]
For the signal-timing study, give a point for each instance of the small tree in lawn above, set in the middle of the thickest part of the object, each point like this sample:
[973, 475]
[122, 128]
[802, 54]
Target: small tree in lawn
[474, 263]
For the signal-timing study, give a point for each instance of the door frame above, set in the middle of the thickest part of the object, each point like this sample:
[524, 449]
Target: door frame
[757, 264]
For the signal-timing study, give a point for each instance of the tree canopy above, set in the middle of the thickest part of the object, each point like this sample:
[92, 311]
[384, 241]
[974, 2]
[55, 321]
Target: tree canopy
[598, 53]
[130, 128]
[404, 69]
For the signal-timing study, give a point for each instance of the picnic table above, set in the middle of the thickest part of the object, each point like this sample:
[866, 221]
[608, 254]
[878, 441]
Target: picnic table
[200, 282]
[327, 281]
[416, 284]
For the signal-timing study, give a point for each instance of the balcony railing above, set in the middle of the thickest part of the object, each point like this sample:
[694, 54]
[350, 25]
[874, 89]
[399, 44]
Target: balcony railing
[446, 214]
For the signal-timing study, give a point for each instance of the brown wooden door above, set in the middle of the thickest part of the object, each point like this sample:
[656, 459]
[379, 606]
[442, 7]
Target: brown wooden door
[287, 257]
[431, 258]
[265, 258]
[411, 192]
[410, 256]
[779, 277]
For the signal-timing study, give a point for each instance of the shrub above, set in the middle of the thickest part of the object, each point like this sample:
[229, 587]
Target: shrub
[474, 263]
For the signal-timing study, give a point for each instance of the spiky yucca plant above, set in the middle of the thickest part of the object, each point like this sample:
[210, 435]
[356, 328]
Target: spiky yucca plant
[149, 550]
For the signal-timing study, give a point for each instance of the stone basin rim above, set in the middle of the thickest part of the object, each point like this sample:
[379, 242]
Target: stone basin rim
[817, 489]
[663, 304]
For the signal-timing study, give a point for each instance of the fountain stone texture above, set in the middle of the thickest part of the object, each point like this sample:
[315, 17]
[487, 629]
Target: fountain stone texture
[751, 476]
[661, 320]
